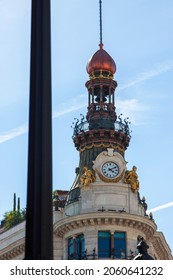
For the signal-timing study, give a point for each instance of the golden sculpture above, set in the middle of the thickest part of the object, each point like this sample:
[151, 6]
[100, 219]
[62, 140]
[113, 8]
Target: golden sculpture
[87, 177]
[131, 178]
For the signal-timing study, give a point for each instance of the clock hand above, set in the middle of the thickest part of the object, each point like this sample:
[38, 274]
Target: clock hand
[112, 168]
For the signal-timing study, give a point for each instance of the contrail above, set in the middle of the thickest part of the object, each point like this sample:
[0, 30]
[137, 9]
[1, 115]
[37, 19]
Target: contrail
[20, 130]
[148, 75]
[13, 133]
[9, 135]
[57, 114]
[160, 207]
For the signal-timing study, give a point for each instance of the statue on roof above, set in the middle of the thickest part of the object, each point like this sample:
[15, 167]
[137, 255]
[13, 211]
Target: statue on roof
[87, 177]
[131, 178]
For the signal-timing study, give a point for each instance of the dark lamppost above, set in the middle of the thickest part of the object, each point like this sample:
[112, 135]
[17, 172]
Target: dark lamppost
[39, 222]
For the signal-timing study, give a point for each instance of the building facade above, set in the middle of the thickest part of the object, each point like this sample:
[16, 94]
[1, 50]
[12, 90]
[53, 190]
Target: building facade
[102, 216]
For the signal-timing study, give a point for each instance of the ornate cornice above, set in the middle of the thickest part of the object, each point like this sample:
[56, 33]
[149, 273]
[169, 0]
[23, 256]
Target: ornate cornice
[68, 224]
[115, 147]
[161, 247]
[13, 250]
[100, 81]
[101, 137]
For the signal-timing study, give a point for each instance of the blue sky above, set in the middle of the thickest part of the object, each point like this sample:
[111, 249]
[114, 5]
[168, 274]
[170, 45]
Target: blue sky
[138, 35]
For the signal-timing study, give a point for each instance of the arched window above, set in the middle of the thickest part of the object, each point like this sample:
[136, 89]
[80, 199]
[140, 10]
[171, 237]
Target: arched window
[76, 247]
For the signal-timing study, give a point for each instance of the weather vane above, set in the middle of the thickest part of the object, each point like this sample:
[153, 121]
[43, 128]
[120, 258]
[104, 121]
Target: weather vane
[101, 41]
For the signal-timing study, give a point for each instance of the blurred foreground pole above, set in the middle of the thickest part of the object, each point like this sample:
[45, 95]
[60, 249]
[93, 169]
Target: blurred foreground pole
[39, 222]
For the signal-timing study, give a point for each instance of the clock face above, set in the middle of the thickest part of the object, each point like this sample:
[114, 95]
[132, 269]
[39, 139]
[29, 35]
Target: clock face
[110, 169]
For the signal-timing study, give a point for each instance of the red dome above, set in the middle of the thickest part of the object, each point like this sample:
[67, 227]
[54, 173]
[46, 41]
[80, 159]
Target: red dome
[101, 60]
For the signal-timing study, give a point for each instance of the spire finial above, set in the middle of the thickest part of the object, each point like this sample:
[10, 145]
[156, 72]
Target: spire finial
[101, 41]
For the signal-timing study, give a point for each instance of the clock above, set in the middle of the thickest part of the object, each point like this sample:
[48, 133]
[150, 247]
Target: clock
[110, 169]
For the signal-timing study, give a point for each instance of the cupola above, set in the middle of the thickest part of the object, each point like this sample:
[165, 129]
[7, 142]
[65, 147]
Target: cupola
[101, 61]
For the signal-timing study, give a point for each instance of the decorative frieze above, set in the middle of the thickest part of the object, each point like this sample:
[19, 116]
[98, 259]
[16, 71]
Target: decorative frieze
[161, 247]
[143, 224]
[12, 252]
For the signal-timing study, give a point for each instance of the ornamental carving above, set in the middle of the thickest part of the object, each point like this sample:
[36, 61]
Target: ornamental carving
[87, 177]
[131, 178]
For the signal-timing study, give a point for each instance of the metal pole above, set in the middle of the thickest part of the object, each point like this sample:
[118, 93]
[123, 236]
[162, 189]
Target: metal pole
[100, 6]
[39, 222]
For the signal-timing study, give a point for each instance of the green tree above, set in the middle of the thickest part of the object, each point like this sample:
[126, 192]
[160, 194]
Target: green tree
[13, 218]
[18, 204]
[14, 202]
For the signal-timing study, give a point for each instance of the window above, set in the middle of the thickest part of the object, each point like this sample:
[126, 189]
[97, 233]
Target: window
[104, 244]
[70, 248]
[112, 246]
[76, 247]
[120, 245]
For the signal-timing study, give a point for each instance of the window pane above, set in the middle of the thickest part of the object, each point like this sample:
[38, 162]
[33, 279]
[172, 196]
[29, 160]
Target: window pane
[119, 235]
[104, 234]
[120, 250]
[120, 245]
[76, 247]
[70, 248]
[80, 244]
[104, 245]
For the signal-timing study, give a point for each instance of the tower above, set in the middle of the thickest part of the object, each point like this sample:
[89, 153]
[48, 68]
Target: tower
[104, 216]
[102, 128]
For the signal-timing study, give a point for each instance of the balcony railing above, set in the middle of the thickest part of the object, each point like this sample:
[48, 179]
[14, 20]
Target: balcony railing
[83, 126]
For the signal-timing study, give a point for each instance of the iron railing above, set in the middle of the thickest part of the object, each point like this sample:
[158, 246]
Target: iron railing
[84, 126]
